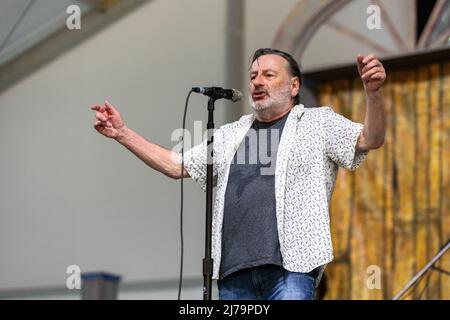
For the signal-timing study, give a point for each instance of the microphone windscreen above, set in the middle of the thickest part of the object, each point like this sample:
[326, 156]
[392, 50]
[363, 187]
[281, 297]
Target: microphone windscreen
[237, 95]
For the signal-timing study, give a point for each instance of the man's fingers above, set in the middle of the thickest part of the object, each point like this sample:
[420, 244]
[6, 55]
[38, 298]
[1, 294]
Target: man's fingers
[97, 107]
[98, 127]
[99, 124]
[379, 76]
[359, 60]
[370, 65]
[371, 72]
[110, 109]
[369, 58]
[368, 74]
[100, 116]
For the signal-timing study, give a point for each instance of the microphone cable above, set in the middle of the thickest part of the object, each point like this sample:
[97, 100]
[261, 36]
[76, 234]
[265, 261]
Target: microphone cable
[181, 195]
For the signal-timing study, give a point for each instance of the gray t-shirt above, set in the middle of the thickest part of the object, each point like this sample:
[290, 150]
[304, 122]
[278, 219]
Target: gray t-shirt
[250, 236]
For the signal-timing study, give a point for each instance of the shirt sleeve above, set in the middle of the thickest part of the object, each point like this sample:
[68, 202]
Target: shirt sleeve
[195, 161]
[195, 164]
[341, 138]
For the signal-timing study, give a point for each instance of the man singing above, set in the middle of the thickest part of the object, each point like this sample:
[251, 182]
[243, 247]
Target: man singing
[275, 169]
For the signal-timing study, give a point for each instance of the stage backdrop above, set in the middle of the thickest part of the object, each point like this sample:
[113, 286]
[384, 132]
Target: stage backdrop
[393, 214]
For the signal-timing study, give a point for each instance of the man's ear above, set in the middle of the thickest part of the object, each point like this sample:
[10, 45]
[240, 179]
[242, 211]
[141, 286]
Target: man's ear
[295, 84]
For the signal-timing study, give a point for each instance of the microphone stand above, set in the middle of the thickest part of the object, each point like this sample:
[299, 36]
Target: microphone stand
[208, 261]
[422, 272]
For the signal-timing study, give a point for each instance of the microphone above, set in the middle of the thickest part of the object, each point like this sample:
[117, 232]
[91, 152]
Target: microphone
[219, 93]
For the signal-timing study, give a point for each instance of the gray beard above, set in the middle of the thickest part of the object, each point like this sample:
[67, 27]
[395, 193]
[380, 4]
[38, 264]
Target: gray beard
[278, 101]
[259, 107]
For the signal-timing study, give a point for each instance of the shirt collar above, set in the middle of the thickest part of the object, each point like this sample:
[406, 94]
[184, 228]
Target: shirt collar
[296, 111]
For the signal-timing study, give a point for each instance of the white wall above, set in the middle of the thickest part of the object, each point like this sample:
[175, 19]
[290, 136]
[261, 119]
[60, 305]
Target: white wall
[70, 196]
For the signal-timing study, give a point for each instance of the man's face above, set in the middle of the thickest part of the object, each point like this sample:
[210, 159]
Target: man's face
[270, 83]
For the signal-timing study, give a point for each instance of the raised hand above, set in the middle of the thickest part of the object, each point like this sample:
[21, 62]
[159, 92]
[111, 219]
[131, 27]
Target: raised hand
[108, 121]
[371, 71]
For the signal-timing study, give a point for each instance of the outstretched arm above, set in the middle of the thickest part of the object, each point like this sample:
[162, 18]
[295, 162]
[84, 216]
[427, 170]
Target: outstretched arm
[373, 75]
[110, 124]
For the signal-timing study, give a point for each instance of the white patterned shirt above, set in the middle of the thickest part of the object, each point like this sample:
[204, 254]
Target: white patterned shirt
[314, 143]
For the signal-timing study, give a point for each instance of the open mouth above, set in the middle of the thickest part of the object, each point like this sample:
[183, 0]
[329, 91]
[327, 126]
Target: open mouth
[258, 96]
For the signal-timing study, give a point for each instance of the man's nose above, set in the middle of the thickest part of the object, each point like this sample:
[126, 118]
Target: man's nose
[257, 81]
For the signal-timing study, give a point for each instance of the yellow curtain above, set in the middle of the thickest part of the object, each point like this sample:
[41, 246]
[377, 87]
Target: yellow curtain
[392, 215]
